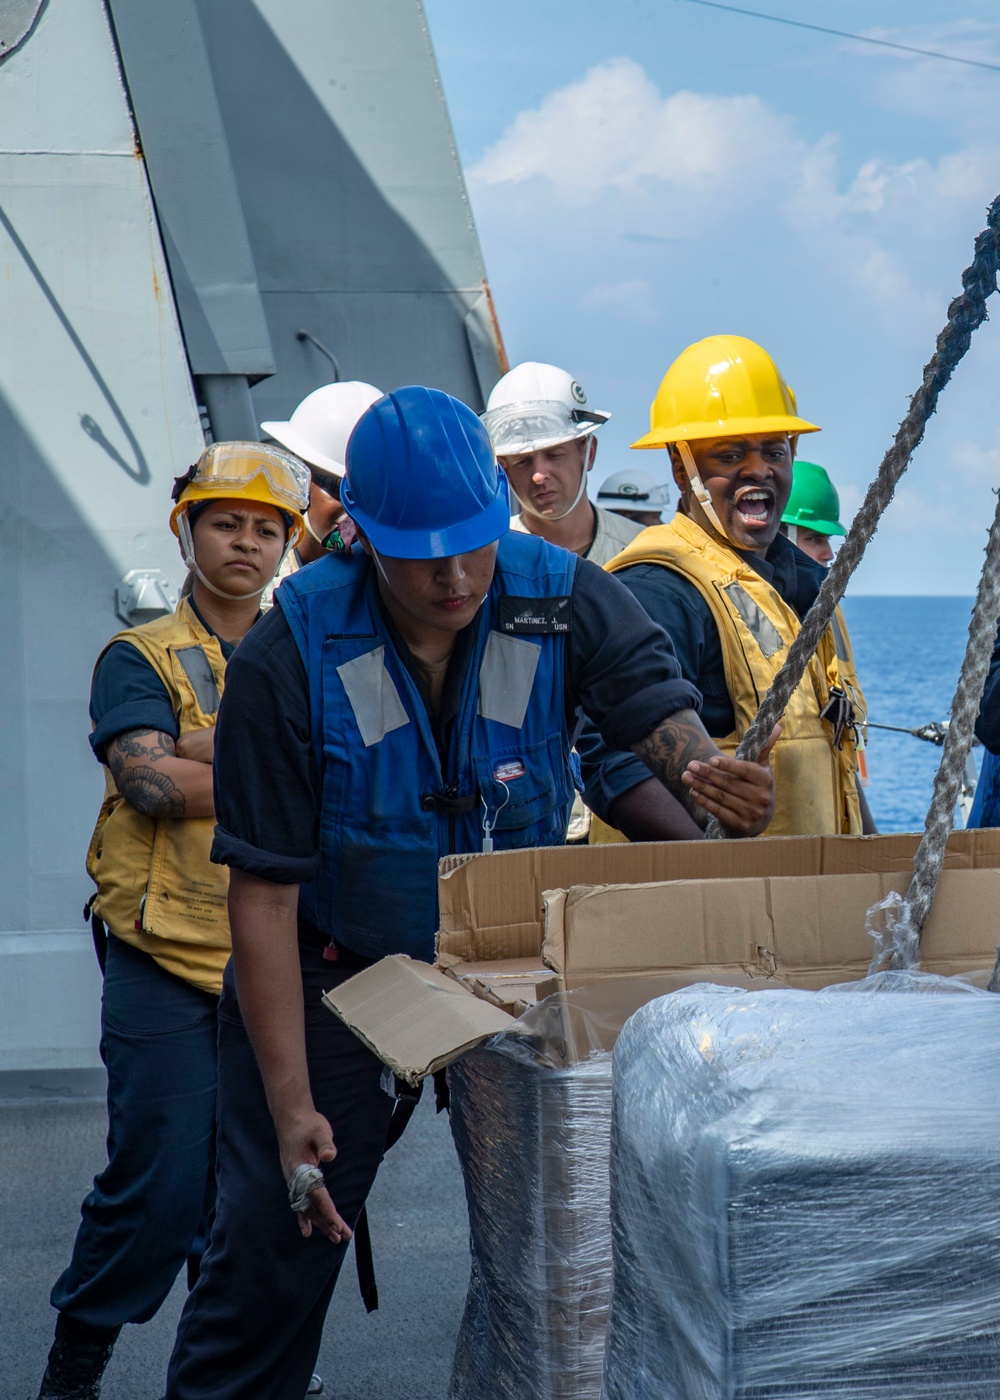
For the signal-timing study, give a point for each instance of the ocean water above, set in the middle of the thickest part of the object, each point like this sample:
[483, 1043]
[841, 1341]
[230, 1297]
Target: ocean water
[908, 652]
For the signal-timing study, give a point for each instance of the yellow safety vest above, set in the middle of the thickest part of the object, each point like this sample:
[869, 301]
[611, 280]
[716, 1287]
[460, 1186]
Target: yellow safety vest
[156, 887]
[815, 787]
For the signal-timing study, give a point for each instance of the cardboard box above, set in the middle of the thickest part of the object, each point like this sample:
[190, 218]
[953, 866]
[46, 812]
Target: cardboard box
[517, 925]
[617, 926]
[809, 931]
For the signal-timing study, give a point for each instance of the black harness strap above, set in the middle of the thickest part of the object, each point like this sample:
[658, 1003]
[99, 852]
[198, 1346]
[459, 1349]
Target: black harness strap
[365, 1262]
[99, 933]
[406, 1101]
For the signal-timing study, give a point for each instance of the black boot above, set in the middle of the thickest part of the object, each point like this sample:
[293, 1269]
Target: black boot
[77, 1360]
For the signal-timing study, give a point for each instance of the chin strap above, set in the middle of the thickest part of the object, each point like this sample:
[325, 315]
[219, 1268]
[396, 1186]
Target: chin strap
[698, 489]
[309, 529]
[793, 533]
[378, 565]
[587, 461]
[187, 551]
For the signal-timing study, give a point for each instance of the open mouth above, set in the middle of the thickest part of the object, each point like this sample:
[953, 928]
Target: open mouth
[754, 506]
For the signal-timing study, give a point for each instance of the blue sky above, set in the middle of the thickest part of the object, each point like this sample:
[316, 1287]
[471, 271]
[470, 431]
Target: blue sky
[647, 172]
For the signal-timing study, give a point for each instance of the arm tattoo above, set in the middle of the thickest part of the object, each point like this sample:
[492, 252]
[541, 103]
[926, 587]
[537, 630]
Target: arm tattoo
[130, 745]
[668, 751]
[151, 792]
[146, 788]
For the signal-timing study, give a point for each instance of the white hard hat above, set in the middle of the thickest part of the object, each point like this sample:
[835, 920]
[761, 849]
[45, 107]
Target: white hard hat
[632, 490]
[319, 428]
[536, 406]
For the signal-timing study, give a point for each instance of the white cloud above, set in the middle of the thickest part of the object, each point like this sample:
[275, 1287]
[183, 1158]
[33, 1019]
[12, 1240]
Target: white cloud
[620, 223]
[879, 273]
[851, 497]
[613, 129]
[911, 511]
[961, 96]
[611, 158]
[635, 299]
[977, 464]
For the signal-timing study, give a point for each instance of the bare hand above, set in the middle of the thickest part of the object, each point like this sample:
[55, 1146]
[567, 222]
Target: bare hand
[309, 1141]
[739, 794]
[198, 745]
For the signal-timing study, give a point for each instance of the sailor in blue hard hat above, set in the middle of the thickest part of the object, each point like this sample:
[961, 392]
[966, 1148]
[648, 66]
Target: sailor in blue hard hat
[413, 698]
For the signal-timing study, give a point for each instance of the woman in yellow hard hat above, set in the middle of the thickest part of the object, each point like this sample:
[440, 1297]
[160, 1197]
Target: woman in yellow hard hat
[731, 591]
[159, 914]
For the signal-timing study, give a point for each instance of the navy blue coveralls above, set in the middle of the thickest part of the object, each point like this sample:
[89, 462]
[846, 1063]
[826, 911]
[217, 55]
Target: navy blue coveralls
[986, 807]
[332, 772]
[148, 1211]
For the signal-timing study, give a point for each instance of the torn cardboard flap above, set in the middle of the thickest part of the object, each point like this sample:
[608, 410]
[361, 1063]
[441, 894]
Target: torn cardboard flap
[415, 1018]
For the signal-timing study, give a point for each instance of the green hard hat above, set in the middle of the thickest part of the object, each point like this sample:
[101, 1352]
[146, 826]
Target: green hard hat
[814, 503]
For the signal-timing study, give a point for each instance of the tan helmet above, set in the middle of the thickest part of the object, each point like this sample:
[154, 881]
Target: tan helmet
[244, 471]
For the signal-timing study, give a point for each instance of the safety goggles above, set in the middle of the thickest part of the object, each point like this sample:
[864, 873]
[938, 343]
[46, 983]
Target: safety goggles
[530, 427]
[234, 465]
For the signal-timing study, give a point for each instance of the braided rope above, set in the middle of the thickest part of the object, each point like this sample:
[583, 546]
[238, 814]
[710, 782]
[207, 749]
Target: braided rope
[965, 314]
[928, 861]
[897, 922]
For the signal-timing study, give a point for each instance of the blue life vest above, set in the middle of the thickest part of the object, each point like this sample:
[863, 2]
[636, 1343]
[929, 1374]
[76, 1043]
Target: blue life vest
[389, 806]
[986, 806]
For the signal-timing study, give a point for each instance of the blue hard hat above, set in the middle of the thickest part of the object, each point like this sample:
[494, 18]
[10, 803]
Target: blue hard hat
[422, 478]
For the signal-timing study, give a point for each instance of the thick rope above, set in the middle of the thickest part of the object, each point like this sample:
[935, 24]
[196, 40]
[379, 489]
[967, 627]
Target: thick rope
[965, 314]
[994, 983]
[929, 859]
[897, 923]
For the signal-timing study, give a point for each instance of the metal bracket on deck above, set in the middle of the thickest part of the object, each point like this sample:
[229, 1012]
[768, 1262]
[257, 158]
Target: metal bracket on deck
[144, 594]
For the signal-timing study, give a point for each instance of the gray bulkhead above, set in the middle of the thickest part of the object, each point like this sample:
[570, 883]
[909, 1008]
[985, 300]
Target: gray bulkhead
[184, 188]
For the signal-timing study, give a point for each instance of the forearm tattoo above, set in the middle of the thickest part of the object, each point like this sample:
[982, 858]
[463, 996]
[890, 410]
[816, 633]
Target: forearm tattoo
[146, 788]
[668, 751]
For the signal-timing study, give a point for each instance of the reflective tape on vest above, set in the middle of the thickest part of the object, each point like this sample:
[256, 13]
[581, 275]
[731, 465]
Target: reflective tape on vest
[373, 695]
[765, 634]
[198, 670]
[506, 677]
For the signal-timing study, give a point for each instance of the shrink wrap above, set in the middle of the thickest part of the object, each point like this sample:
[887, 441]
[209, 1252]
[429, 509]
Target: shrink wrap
[806, 1195]
[532, 1130]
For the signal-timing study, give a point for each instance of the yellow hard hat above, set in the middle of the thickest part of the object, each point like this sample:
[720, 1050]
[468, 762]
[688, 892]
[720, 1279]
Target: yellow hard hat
[722, 386]
[246, 471]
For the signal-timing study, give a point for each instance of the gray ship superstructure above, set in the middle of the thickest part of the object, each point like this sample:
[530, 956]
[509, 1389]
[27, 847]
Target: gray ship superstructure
[207, 209]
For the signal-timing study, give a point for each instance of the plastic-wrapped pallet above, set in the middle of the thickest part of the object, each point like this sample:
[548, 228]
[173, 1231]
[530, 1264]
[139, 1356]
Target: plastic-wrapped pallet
[806, 1195]
[532, 1132]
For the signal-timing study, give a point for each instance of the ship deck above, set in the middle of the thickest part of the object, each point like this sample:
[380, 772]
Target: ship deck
[51, 1144]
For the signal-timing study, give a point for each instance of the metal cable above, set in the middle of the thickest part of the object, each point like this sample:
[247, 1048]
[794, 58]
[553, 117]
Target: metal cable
[965, 314]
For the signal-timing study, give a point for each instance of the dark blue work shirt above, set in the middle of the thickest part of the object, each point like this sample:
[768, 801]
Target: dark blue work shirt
[988, 723]
[619, 668]
[679, 607]
[127, 693]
